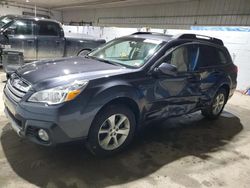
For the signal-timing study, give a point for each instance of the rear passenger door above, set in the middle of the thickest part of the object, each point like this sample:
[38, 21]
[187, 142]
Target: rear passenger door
[50, 41]
[211, 67]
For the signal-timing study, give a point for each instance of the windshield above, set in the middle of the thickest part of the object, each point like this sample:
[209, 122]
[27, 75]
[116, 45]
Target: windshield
[130, 52]
[4, 20]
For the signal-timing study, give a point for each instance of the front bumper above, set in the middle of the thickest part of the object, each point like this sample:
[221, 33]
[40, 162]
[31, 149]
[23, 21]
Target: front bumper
[30, 130]
[27, 120]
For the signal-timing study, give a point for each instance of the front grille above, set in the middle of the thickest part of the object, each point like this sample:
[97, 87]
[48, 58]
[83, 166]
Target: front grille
[16, 88]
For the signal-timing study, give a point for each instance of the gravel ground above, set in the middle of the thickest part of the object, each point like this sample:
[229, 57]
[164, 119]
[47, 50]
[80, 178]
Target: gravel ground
[181, 152]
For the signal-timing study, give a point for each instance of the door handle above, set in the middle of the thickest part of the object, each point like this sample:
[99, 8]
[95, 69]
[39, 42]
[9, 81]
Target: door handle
[57, 42]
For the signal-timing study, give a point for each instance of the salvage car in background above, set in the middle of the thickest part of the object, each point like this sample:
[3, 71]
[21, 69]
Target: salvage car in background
[26, 39]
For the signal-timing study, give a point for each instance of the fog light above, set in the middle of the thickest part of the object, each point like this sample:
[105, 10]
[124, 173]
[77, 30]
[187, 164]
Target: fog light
[43, 135]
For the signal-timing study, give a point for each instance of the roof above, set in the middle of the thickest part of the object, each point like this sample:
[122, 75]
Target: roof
[184, 36]
[30, 18]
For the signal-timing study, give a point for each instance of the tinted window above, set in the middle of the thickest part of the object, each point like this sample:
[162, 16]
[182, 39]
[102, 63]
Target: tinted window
[22, 27]
[184, 58]
[208, 56]
[222, 57]
[48, 28]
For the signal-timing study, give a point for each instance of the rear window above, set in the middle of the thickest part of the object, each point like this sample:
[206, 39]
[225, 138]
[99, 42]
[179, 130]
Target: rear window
[48, 28]
[222, 58]
[207, 56]
[211, 56]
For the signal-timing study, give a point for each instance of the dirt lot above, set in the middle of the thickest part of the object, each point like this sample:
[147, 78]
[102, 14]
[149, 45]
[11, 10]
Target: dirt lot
[184, 152]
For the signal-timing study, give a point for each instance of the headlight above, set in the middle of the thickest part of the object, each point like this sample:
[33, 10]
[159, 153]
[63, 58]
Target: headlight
[59, 94]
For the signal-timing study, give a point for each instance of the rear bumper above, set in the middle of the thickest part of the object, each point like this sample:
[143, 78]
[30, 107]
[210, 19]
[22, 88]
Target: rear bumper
[26, 122]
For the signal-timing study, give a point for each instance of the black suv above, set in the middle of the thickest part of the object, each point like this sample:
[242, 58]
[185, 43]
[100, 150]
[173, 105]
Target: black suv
[108, 95]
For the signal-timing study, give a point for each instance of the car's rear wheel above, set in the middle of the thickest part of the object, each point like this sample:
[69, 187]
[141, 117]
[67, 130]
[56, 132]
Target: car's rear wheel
[111, 131]
[215, 109]
[83, 53]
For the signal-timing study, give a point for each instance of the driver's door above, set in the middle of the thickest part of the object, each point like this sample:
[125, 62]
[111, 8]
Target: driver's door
[22, 38]
[179, 94]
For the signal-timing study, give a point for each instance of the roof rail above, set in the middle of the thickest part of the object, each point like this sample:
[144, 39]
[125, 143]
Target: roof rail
[145, 33]
[201, 37]
[142, 33]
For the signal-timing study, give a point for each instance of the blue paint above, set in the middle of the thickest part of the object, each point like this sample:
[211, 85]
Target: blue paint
[221, 28]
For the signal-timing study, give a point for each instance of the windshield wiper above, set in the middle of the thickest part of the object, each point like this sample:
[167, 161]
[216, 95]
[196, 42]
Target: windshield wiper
[104, 60]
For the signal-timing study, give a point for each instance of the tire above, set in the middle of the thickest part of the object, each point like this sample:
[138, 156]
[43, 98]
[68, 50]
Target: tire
[83, 53]
[106, 138]
[215, 109]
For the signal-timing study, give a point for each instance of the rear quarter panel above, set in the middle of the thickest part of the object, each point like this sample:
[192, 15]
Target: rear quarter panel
[212, 79]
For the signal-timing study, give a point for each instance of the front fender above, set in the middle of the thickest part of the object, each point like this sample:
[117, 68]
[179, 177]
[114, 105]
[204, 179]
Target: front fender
[105, 95]
[112, 91]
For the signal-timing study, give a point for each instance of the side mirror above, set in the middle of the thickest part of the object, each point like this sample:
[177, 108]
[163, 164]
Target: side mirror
[10, 31]
[167, 69]
[61, 33]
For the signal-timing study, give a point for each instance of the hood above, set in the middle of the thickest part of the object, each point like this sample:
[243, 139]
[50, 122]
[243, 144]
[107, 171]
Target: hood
[67, 69]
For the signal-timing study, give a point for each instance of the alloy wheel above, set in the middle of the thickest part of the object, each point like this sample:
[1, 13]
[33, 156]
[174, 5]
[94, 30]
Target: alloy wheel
[218, 103]
[114, 131]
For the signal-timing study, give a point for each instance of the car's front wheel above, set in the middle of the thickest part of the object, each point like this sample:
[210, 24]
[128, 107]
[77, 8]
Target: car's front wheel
[111, 131]
[215, 109]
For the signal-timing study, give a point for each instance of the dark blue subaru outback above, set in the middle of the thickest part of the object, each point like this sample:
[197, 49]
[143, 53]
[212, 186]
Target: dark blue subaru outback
[106, 96]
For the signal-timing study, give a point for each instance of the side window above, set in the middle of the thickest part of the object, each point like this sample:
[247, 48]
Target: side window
[48, 28]
[222, 57]
[184, 58]
[22, 27]
[208, 56]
